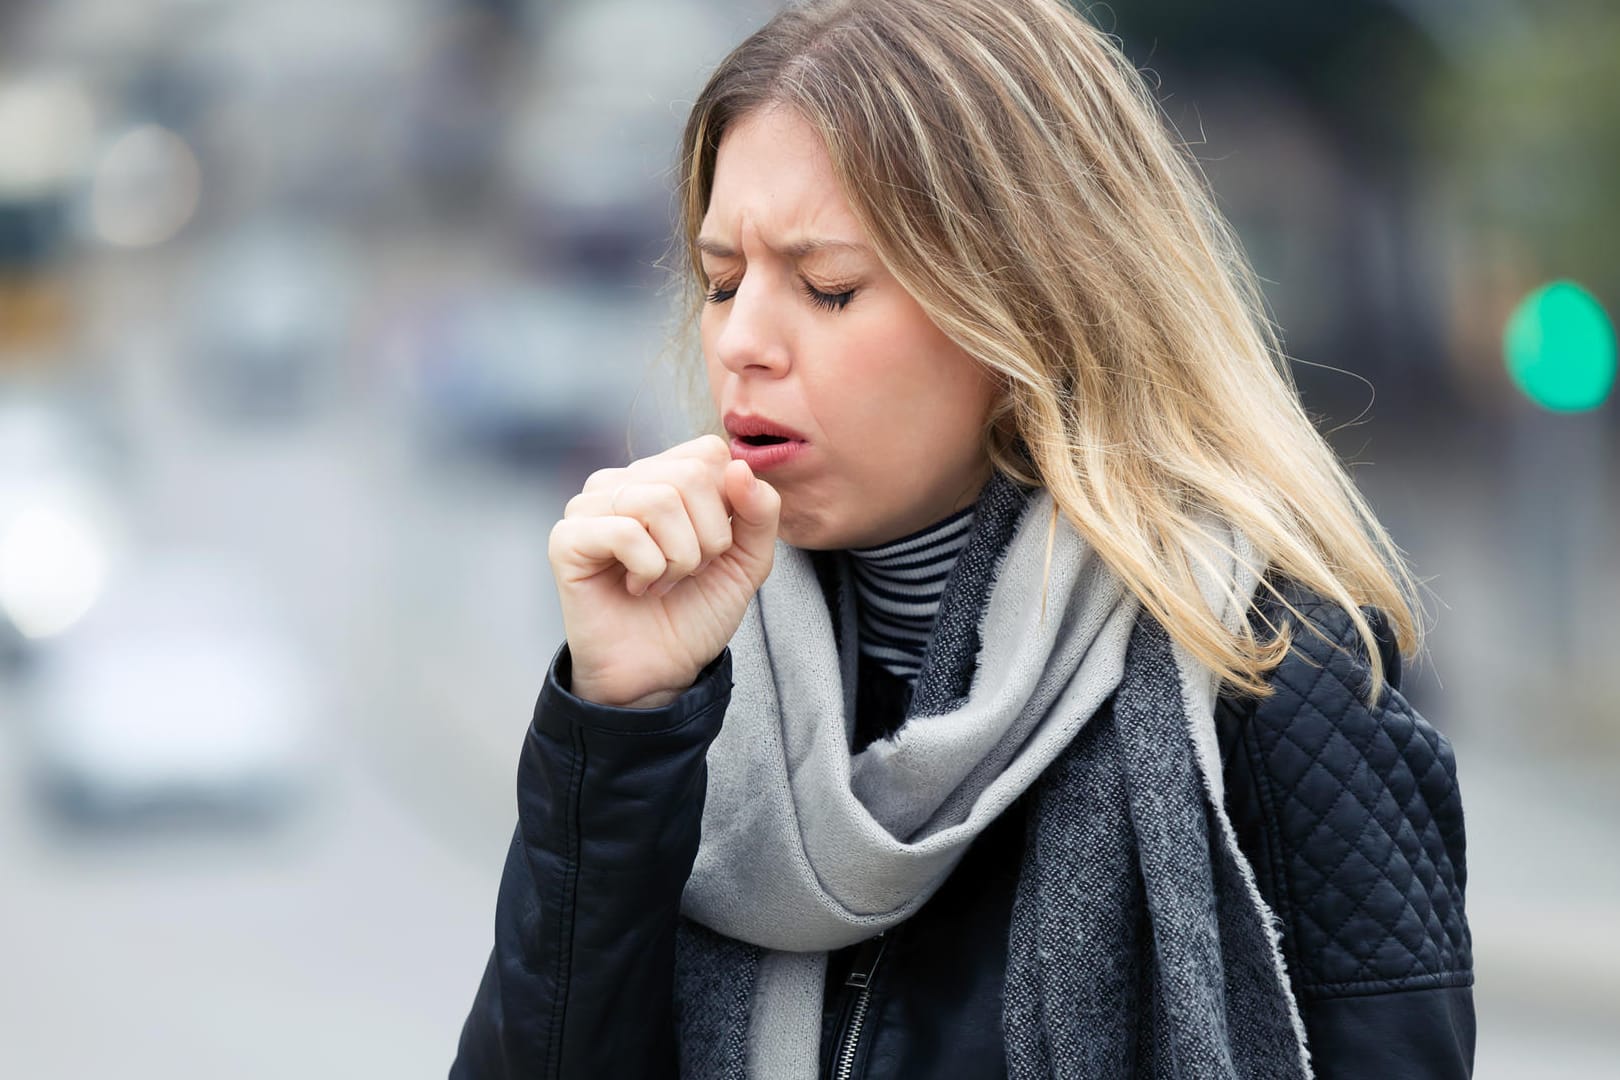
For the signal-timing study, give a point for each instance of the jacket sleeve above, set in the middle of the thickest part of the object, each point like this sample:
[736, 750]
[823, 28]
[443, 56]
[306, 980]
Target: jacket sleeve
[1352, 819]
[610, 800]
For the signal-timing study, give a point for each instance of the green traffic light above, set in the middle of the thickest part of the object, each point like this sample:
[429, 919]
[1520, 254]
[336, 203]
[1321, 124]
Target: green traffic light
[1560, 348]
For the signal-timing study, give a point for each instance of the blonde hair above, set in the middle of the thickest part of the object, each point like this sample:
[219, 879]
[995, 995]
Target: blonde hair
[1014, 172]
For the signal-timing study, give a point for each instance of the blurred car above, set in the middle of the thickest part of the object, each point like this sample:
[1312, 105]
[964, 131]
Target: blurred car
[593, 139]
[268, 321]
[526, 374]
[181, 691]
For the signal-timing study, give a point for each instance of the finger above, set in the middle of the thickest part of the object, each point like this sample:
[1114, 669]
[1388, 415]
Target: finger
[700, 460]
[662, 509]
[706, 506]
[700, 482]
[709, 449]
[581, 548]
[696, 467]
[590, 504]
[604, 480]
[703, 503]
[702, 489]
[756, 510]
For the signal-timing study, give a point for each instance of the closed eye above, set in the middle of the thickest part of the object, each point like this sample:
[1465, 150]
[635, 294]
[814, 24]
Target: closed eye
[827, 301]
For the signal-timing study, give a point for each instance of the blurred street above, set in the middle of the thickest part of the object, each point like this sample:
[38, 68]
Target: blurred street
[346, 937]
[349, 938]
[312, 318]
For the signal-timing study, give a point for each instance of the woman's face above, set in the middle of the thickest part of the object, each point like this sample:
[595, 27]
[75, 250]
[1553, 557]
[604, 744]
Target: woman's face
[808, 339]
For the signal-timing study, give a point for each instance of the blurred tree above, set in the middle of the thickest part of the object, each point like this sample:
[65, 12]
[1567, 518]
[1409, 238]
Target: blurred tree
[1358, 62]
[1316, 154]
[1531, 129]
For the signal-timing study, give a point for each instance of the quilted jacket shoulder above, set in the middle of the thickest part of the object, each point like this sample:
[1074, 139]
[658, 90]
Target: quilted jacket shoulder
[1352, 815]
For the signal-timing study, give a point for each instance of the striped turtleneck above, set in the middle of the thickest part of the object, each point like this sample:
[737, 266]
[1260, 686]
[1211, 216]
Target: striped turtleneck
[899, 586]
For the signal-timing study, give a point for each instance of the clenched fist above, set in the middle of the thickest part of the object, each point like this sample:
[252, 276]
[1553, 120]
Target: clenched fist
[655, 564]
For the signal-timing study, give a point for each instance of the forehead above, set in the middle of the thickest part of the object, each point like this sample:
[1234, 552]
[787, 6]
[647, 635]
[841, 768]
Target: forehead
[772, 173]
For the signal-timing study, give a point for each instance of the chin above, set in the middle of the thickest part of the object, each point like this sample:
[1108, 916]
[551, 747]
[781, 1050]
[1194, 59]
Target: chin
[803, 535]
[812, 531]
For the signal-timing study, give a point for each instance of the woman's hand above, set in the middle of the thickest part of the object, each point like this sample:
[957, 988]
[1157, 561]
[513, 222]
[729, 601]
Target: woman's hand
[655, 564]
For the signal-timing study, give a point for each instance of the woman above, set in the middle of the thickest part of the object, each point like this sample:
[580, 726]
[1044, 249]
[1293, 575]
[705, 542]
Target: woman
[1013, 691]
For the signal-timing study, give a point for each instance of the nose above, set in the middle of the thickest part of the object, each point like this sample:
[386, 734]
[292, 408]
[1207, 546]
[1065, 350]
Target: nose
[752, 340]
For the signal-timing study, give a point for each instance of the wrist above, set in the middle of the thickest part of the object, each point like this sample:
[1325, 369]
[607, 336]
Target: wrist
[605, 692]
[620, 699]
[655, 700]
[561, 709]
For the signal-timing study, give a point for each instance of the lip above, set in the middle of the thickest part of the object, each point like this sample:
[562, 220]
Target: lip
[741, 425]
[761, 458]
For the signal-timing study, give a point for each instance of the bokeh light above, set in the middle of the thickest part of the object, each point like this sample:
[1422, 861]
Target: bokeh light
[1560, 348]
[48, 125]
[147, 185]
[53, 565]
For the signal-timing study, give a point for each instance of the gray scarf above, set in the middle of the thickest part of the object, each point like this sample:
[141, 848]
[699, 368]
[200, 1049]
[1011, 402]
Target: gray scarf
[1139, 944]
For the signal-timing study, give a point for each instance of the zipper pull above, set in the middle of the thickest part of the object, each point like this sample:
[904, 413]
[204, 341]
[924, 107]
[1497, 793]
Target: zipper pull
[860, 972]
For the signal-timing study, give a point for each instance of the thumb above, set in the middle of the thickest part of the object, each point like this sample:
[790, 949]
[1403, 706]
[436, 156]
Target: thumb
[756, 509]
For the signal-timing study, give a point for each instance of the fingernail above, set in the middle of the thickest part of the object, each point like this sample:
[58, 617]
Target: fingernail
[660, 590]
[702, 566]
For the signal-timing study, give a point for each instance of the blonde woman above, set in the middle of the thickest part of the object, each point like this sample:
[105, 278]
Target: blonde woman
[1012, 689]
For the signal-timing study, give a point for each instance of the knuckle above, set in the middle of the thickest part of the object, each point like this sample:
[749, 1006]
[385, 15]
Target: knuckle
[666, 497]
[718, 540]
[689, 549]
[561, 540]
[689, 471]
[655, 561]
[602, 479]
[646, 500]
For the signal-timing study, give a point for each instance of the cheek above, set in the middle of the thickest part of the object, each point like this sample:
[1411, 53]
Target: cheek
[971, 389]
[713, 372]
[909, 378]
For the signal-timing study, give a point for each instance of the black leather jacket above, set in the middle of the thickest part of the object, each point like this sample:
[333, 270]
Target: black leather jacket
[1350, 817]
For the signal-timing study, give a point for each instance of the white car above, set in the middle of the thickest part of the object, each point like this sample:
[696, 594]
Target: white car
[179, 690]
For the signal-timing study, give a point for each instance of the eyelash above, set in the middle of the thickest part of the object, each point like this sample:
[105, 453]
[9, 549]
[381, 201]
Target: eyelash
[826, 301]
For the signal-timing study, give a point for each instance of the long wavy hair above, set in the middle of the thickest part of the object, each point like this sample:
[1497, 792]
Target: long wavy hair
[1015, 173]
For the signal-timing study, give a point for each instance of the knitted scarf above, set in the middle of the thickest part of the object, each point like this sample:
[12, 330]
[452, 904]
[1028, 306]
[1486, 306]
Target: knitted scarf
[1139, 944]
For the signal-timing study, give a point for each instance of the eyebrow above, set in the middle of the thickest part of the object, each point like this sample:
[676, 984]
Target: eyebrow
[796, 250]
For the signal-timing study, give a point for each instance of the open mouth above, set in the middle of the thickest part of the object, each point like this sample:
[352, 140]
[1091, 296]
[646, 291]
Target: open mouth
[764, 444]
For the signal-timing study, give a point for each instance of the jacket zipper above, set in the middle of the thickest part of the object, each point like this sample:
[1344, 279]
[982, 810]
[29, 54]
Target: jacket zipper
[860, 978]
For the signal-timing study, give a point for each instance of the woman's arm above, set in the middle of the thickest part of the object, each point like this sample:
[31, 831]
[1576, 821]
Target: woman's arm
[1352, 818]
[610, 801]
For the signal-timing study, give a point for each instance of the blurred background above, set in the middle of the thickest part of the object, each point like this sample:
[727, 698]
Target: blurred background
[312, 316]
